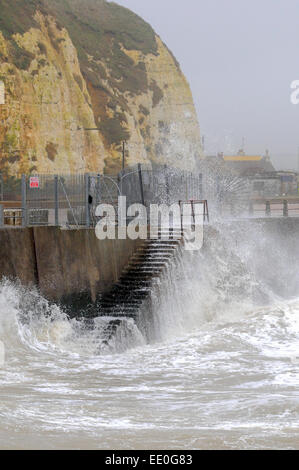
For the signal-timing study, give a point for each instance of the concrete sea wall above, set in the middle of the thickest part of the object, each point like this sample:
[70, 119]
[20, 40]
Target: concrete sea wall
[72, 265]
[63, 263]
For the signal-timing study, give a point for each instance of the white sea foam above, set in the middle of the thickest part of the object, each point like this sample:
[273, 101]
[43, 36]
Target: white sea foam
[221, 370]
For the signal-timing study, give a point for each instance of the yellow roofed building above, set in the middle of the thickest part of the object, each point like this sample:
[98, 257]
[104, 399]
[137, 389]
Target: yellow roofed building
[247, 165]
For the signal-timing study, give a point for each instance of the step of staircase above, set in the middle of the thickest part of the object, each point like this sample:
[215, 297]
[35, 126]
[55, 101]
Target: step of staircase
[146, 266]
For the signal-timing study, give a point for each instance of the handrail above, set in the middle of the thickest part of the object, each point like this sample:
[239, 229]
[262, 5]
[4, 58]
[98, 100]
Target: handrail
[206, 216]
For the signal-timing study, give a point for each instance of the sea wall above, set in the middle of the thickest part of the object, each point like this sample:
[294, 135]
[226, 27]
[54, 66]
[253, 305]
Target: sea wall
[63, 264]
[17, 255]
[69, 265]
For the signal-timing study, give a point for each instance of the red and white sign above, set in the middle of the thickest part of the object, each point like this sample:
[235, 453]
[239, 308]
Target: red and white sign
[34, 182]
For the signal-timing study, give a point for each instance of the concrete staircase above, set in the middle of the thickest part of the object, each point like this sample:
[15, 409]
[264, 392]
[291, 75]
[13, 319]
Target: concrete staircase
[128, 296]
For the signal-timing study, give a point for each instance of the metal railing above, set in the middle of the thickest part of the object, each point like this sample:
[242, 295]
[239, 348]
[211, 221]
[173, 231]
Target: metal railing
[70, 200]
[11, 217]
[274, 208]
[195, 215]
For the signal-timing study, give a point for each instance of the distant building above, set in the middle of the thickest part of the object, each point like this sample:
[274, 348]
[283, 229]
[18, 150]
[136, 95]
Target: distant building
[289, 182]
[248, 165]
[265, 185]
[275, 184]
[258, 171]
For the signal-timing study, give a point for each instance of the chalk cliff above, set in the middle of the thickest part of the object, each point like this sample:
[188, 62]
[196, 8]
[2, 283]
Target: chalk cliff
[81, 77]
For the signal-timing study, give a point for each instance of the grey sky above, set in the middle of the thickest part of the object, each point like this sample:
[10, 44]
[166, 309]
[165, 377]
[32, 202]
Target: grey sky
[240, 57]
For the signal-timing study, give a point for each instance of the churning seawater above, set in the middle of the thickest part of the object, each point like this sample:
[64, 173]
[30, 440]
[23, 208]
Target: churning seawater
[221, 374]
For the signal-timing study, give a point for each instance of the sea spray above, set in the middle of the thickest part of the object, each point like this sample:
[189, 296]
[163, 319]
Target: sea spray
[221, 372]
[2, 353]
[223, 280]
[29, 321]
[200, 287]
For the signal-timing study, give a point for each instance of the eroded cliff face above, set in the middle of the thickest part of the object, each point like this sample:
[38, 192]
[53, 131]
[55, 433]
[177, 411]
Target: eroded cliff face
[70, 67]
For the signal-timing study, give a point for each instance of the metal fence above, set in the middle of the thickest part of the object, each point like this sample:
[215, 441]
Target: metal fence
[71, 199]
[159, 185]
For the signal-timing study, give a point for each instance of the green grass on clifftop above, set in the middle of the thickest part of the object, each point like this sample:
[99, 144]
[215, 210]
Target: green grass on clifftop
[100, 29]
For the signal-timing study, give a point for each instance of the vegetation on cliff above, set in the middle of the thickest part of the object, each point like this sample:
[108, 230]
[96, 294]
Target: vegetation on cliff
[116, 50]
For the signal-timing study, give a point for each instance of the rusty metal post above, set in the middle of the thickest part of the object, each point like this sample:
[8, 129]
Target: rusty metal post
[206, 210]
